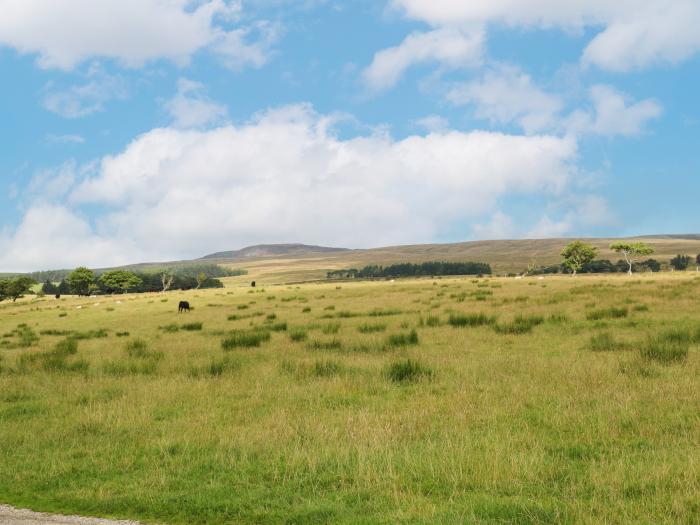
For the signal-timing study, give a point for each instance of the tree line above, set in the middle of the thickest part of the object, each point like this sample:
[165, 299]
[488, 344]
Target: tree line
[580, 257]
[83, 281]
[433, 268]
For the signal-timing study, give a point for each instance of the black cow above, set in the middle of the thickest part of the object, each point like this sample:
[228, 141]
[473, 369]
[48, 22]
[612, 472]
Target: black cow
[184, 306]
[58, 296]
[252, 284]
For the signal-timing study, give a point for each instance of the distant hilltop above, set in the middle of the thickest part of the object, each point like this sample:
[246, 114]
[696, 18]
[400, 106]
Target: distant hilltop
[273, 250]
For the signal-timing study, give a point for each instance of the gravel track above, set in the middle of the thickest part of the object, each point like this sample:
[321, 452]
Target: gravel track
[12, 516]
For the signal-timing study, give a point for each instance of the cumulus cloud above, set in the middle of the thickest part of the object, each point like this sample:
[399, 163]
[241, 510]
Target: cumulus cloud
[284, 176]
[506, 95]
[449, 47]
[65, 33]
[191, 108]
[614, 113]
[632, 33]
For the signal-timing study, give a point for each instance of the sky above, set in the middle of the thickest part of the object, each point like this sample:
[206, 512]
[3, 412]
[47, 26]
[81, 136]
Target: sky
[150, 130]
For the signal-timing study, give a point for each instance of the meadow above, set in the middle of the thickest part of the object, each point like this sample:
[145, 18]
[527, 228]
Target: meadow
[454, 400]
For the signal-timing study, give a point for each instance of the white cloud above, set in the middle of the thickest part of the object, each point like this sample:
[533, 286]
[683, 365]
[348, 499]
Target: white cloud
[632, 33]
[190, 108]
[286, 177]
[613, 114]
[81, 100]
[499, 227]
[449, 47]
[505, 95]
[434, 124]
[65, 33]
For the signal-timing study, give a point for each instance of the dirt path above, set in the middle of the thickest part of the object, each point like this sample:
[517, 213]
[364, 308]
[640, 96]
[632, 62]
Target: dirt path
[12, 516]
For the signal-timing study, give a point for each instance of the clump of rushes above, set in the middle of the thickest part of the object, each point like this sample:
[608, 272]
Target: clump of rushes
[461, 320]
[607, 313]
[408, 339]
[665, 351]
[245, 339]
[371, 328]
[408, 371]
[520, 325]
[192, 327]
[298, 334]
[331, 328]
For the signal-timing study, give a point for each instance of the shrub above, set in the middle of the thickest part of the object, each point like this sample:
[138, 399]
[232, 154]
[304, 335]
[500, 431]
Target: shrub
[408, 371]
[245, 339]
[519, 325]
[410, 338]
[460, 320]
[607, 313]
[371, 328]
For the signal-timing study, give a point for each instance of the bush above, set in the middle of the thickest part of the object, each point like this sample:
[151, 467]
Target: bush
[408, 371]
[245, 339]
[520, 325]
[607, 313]
[460, 320]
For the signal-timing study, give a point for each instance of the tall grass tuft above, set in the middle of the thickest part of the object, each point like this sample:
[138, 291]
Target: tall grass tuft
[410, 338]
[665, 351]
[607, 313]
[519, 325]
[480, 319]
[408, 371]
[245, 339]
[371, 328]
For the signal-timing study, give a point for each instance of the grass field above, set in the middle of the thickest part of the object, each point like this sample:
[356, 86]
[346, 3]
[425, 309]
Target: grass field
[460, 400]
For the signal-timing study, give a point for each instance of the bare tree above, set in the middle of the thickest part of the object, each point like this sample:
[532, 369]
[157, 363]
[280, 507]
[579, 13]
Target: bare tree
[166, 278]
[201, 277]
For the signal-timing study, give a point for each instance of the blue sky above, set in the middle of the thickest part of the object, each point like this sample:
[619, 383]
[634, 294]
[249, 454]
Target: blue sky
[154, 130]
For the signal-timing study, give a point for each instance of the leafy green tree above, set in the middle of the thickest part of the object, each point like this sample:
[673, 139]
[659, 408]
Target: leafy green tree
[81, 281]
[201, 277]
[15, 288]
[63, 288]
[120, 280]
[680, 262]
[577, 254]
[631, 251]
[49, 288]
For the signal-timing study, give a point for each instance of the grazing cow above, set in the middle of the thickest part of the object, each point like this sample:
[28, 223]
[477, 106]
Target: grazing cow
[252, 284]
[184, 306]
[58, 296]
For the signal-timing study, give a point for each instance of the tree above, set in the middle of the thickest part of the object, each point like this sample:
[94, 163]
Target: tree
[631, 251]
[63, 288]
[49, 288]
[120, 280]
[680, 262]
[80, 281]
[167, 278]
[576, 254]
[15, 288]
[201, 277]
